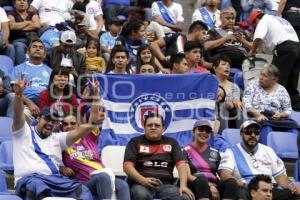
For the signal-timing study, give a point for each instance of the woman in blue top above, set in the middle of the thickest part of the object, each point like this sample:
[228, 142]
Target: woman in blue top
[132, 37]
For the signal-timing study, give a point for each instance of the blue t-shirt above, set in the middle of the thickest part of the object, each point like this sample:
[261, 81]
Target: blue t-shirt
[107, 40]
[37, 78]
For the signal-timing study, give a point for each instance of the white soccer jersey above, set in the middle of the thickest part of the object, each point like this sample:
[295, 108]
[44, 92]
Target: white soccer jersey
[215, 16]
[274, 30]
[263, 161]
[27, 161]
[3, 17]
[51, 12]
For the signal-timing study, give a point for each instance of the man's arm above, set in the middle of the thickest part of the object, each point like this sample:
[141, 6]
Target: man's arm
[100, 23]
[95, 120]
[284, 182]
[226, 174]
[19, 117]
[183, 176]
[212, 44]
[5, 33]
[33, 24]
[281, 6]
[256, 43]
[175, 27]
[156, 47]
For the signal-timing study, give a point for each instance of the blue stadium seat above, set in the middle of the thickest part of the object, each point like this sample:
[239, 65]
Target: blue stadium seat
[239, 80]
[233, 71]
[232, 136]
[296, 116]
[6, 130]
[6, 156]
[6, 64]
[284, 144]
[4, 194]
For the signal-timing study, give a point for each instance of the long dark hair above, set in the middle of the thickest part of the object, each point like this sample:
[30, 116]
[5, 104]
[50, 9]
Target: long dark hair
[66, 92]
[131, 27]
[140, 62]
[116, 49]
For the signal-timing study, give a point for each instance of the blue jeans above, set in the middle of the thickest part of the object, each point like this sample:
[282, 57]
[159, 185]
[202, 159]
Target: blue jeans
[9, 51]
[164, 191]
[7, 104]
[100, 185]
[20, 49]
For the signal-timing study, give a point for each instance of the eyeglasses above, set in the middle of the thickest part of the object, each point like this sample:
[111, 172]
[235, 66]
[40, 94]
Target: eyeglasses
[254, 161]
[69, 123]
[251, 131]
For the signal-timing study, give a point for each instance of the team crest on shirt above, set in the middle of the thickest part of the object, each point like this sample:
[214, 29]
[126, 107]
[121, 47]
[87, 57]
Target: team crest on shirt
[144, 149]
[146, 104]
[167, 148]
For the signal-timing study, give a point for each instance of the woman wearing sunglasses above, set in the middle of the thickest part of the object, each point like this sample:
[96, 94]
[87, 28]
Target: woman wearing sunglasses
[203, 163]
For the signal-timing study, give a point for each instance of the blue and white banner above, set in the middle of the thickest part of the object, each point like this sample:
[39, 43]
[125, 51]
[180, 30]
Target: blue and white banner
[180, 99]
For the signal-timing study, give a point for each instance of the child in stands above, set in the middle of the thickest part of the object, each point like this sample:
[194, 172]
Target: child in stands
[93, 62]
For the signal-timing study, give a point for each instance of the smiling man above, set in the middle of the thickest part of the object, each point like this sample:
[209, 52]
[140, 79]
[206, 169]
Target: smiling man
[249, 158]
[149, 162]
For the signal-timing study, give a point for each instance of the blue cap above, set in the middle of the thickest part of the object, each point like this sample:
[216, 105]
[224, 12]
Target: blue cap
[203, 122]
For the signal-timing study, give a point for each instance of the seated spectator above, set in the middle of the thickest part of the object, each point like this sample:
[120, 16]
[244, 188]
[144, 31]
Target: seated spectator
[85, 165]
[84, 24]
[119, 61]
[132, 38]
[228, 40]
[231, 109]
[146, 69]
[193, 54]
[203, 163]
[178, 64]
[169, 15]
[51, 12]
[209, 13]
[37, 72]
[5, 48]
[109, 38]
[59, 93]
[66, 55]
[6, 96]
[266, 99]
[37, 151]
[145, 56]
[250, 158]
[260, 187]
[114, 8]
[154, 149]
[221, 95]
[93, 62]
[24, 25]
[174, 43]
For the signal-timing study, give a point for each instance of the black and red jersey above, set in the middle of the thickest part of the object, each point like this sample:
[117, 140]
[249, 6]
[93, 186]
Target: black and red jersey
[154, 158]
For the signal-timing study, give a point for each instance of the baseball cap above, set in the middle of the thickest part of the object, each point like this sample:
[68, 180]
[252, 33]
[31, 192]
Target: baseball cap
[68, 37]
[248, 123]
[253, 15]
[203, 122]
[50, 112]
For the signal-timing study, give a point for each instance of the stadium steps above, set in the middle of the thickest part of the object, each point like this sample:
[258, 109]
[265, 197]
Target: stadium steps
[188, 9]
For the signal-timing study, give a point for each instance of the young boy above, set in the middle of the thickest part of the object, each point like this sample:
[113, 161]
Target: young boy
[193, 55]
[108, 39]
[178, 64]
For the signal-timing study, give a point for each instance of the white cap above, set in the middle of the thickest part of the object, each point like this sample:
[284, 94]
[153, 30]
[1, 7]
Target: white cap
[68, 37]
[248, 123]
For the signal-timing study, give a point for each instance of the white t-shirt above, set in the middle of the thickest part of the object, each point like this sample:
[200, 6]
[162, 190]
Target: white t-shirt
[51, 11]
[27, 161]
[274, 30]
[3, 17]
[175, 11]
[93, 8]
[267, 162]
[215, 16]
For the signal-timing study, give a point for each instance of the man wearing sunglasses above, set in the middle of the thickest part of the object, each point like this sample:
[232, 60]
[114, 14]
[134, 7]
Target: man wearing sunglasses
[249, 158]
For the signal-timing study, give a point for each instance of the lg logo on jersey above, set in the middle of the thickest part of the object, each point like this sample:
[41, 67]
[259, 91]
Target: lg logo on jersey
[155, 164]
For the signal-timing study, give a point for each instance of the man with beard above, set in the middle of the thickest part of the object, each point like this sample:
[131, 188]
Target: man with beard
[37, 150]
[249, 158]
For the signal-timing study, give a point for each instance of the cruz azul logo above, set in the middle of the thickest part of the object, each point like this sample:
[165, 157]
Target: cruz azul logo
[146, 104]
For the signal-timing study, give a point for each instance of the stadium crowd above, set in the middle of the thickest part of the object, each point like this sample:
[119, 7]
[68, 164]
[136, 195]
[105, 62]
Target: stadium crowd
[57, 46]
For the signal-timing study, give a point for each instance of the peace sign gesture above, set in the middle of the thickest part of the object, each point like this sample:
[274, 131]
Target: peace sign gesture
[20, 85]
[95, 86]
